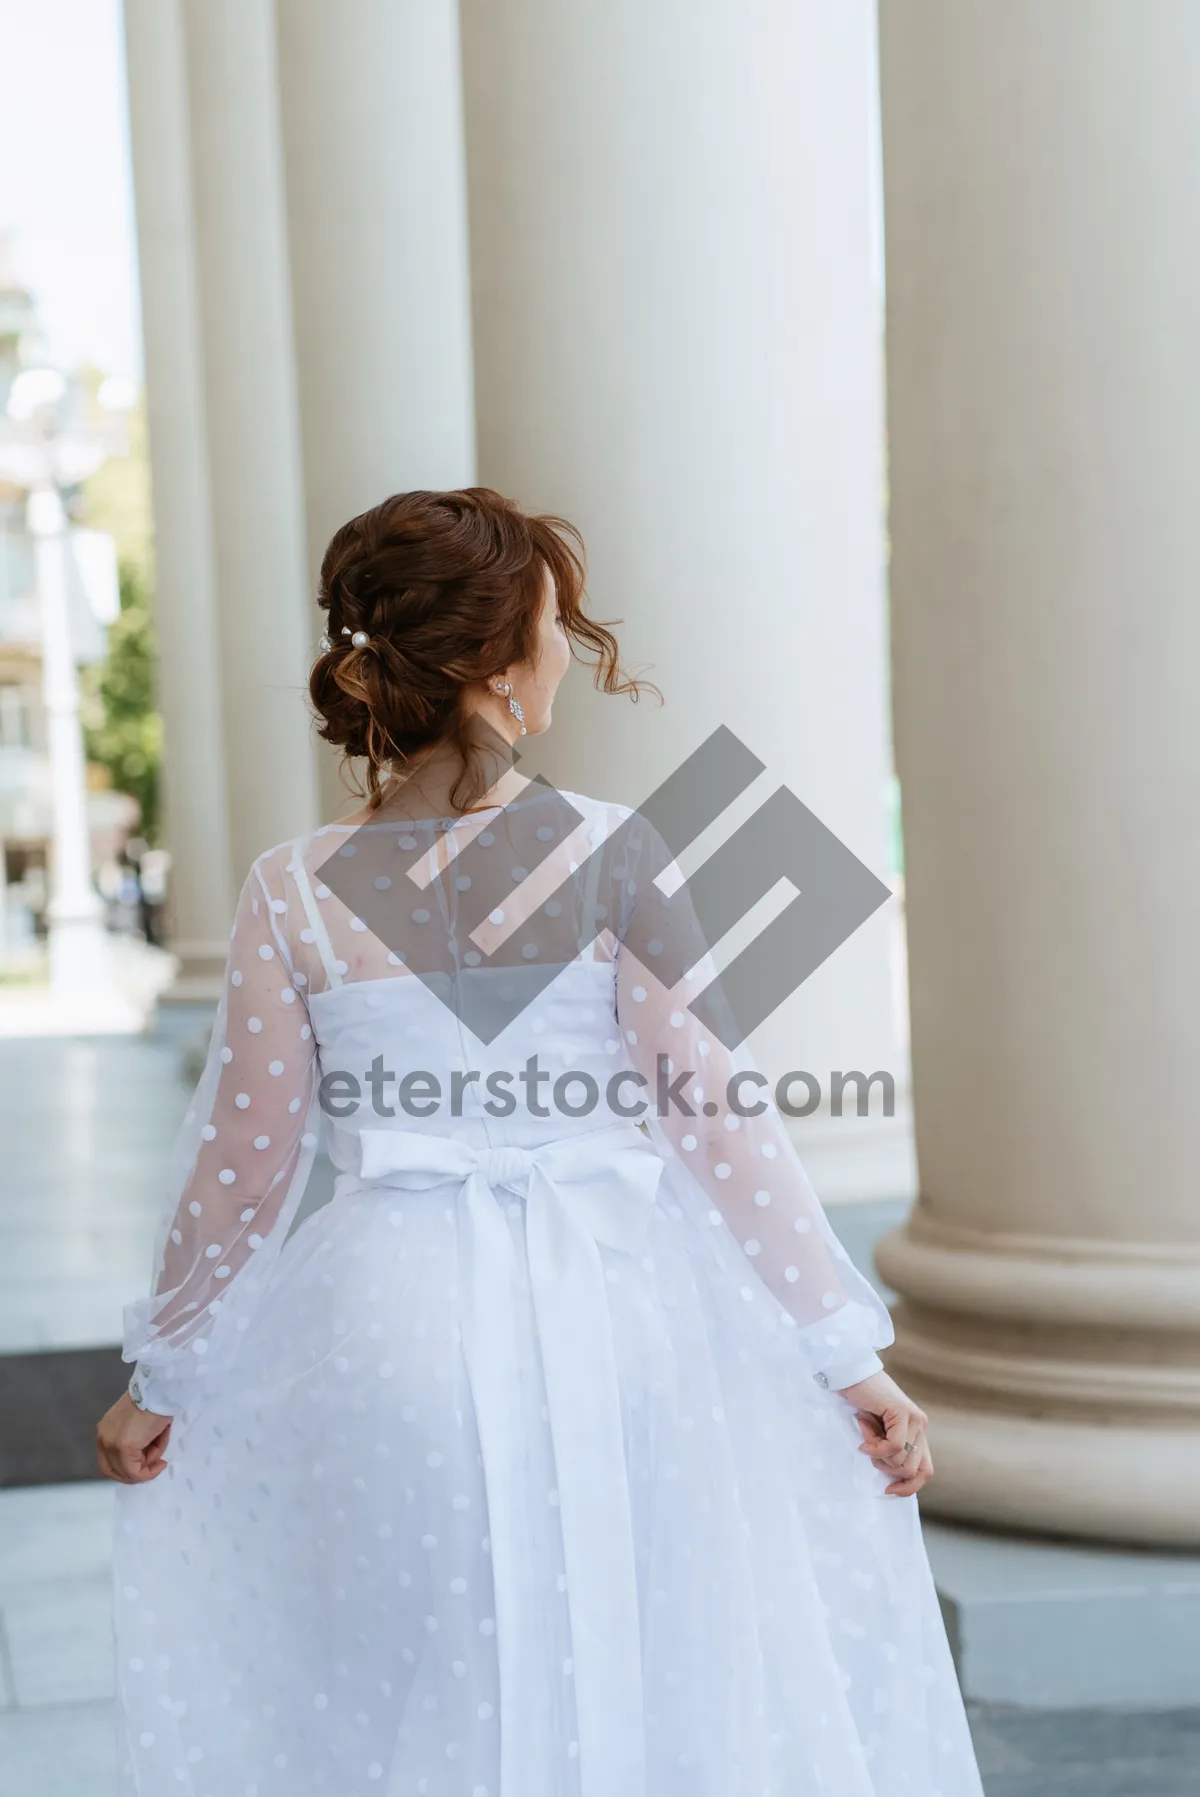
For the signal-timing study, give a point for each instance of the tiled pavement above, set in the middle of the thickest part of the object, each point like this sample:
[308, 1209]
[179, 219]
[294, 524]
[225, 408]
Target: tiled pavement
[1088, 1753]
[85, 1129]
[56, 1730]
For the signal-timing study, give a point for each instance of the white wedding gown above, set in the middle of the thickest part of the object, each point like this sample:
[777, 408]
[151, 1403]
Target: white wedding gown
[519, 1469]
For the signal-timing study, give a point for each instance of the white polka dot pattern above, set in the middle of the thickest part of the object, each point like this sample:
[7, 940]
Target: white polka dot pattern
[308, 1601]
[737, 1151]
[250, 1147]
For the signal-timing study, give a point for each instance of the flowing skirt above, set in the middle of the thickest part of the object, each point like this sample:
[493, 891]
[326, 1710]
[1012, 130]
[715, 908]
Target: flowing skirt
[343, 1585]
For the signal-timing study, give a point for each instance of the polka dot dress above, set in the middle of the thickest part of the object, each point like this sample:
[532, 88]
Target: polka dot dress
[518, 1469]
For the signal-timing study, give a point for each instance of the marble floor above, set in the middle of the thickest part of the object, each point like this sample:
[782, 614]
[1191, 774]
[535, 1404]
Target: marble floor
[86, 1128]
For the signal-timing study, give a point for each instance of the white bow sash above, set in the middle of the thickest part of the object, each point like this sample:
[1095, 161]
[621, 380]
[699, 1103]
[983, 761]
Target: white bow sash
[583, 1192]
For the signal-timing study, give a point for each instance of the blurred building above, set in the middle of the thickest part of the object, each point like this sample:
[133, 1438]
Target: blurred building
[621, 262]
[27, 791]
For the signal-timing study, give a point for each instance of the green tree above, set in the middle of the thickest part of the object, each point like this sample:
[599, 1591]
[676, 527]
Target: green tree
[122, 727]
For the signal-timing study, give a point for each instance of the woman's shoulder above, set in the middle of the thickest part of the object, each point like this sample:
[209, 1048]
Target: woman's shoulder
[608, 811]
[282, 860]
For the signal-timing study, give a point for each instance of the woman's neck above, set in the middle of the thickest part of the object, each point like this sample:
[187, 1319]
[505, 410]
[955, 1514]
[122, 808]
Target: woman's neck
[428, 791]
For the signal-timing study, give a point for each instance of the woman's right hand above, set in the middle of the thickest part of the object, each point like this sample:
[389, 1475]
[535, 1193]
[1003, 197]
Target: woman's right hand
[894, 1432]
[131, 1443]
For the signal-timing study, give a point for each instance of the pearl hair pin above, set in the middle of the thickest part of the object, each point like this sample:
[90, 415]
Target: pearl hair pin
[359, 639]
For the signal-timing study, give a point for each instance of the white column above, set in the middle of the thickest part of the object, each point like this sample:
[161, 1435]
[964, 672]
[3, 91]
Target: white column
[678, 345]
[79, 958]
[372, 129]
[1043, 179]
[189, 670]
[267, 633]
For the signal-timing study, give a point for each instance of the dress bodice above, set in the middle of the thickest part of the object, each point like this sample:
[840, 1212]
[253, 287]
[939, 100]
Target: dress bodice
[443, 1079]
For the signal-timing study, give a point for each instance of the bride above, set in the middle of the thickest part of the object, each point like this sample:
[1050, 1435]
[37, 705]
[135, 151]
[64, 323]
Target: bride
[554, 1456]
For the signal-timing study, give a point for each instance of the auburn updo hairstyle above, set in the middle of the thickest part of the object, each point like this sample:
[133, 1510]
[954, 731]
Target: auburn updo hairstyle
[446, 588]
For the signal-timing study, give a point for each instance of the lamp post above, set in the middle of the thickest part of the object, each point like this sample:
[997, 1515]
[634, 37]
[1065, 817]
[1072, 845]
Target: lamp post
[42, 453]
[79, 947]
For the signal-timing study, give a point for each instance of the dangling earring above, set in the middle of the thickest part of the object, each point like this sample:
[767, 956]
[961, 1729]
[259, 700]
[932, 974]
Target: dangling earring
[505, 691]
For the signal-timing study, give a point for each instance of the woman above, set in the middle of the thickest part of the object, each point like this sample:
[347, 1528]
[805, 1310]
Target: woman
[553, 1457]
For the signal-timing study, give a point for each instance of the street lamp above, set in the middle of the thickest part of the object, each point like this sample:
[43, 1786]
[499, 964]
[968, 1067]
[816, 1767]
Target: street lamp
[42, 456]
[79, 947]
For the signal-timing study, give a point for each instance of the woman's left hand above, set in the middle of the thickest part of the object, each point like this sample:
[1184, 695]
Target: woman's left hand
[131, 1443]
[894, 1432]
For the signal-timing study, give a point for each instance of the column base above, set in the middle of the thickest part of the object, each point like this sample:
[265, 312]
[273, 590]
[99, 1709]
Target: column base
[199, 973]
[79, 952]
[1062, 1380]
[1060, 1476]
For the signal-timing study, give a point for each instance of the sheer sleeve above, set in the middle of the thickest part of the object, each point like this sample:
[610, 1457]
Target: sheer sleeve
[241, 1162]
[711, 1108]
